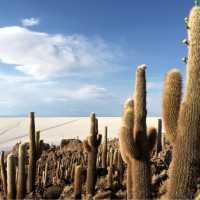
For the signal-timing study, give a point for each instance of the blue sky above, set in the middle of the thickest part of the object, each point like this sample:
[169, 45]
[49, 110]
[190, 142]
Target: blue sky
[73, 57]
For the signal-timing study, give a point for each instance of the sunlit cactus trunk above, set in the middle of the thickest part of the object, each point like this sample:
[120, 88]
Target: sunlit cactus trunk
[78, 182]
[21, 182]
[3, 173]
[105, 147]
[11, 176]
[37, 144]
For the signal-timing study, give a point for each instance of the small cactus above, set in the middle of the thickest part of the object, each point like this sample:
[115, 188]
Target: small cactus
[21, 181]
[105, 149]
[3, 173]
[78, 182]
[115, 158]
[159, 137]
[110, 177]
[11, 176]
[37, 144]
[120, 168]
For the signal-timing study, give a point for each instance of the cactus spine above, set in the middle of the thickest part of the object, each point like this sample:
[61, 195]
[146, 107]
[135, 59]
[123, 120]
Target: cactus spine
[21, 181]
[134, 142]
[32, 154]
[184, 168]
[11, 176]
[105, 149]
[78, 182]
[91, 145]
[3, 173]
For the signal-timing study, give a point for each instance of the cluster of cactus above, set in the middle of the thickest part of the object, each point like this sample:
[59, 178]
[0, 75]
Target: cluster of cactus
[14, 175]
[108, 163]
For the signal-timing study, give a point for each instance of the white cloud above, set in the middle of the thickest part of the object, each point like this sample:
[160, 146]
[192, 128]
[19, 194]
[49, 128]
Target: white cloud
[21, 94]
[30, 21]
[42, 55]
[87, 92]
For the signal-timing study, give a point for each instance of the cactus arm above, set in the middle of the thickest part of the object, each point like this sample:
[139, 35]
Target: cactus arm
[86, 146]
[171, 102]
[127, 146]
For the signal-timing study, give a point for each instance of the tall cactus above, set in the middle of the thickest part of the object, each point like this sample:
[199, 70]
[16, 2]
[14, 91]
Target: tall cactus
[184, 168]
[21, 181]
[91, 145]
[32, 154]
[134, 142]
[105, 149]
[11, 176]
[3, 173]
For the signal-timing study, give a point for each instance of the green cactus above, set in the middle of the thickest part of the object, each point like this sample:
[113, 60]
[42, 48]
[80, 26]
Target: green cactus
[11, 176]
[134, 142]
[78, 182]
[21, 181]
[184, 168]
[32, 154]
[3, 173]
[91, 145]
[105, 149]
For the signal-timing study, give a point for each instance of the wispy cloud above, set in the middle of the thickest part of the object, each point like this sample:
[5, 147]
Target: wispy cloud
[24, 93]
[43, 55]
[86, 92]
[30, 21]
